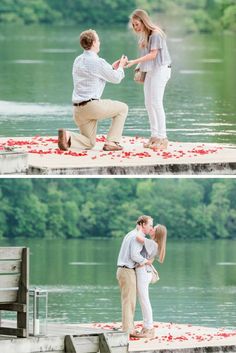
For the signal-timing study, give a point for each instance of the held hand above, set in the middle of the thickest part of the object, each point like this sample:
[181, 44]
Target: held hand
[130, 63]
[116, 64]
[123, 61]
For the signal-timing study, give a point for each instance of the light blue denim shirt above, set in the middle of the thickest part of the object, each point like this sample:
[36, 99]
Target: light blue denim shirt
[156, 41]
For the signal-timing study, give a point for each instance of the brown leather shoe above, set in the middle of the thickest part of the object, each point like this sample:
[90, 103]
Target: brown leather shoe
[63, 144]
[114, 146]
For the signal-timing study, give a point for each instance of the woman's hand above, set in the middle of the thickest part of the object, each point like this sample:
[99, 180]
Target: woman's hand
[140, 239]
[150, 56]
[149, 262]
[139, 228]
[130, 63]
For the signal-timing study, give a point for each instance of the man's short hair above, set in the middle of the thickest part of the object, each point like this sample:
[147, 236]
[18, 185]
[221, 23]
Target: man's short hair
[87, 38]
[143, 220]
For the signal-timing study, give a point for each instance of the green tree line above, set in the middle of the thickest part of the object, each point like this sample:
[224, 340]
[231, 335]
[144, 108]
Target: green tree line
[202, 15]
[80, 208]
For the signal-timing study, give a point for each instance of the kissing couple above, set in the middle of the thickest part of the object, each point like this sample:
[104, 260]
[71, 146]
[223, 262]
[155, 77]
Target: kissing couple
[135, 273]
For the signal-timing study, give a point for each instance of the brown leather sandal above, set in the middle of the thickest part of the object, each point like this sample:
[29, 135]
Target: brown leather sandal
[162, 145]
[114, 146]
[151, 141]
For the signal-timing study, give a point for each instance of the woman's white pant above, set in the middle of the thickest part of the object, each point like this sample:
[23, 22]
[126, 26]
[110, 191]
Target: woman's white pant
[154, 88]
[143, 280]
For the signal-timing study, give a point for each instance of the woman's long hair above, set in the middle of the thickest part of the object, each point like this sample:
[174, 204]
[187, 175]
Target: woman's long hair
[160, 236]
[149, 26]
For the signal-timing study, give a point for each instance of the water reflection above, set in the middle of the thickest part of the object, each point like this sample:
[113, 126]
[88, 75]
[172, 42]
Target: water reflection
[170, 304]
[201, 89]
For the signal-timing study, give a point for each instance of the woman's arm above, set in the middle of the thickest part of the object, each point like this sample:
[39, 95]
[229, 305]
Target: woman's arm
[140, 239]
[148, 57]
[149, 262]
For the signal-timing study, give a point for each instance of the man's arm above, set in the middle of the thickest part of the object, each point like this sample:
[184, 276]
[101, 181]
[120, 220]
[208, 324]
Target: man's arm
[140, 239]
[109, 74]
[135, 253]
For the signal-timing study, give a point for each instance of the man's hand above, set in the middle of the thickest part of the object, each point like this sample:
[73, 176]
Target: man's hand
[116, 64]
[123, 61]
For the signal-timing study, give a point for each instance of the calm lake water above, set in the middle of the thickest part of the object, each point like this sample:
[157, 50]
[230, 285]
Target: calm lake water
[36, 83]
[197, 281]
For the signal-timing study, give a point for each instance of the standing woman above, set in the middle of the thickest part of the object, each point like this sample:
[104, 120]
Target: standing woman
[155, 61]
[153, 248]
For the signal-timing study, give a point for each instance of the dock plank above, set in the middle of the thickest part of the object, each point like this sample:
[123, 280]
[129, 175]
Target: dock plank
[45, 158]
[169, 338]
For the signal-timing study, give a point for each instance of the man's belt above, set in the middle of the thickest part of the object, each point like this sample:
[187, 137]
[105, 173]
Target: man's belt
[84, 102]
[126, 267]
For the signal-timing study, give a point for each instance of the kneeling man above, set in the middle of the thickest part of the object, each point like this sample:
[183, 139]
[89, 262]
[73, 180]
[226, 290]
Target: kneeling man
[90, 74]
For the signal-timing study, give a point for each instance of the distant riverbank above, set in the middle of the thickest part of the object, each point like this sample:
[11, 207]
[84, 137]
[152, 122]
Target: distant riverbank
[204, 16]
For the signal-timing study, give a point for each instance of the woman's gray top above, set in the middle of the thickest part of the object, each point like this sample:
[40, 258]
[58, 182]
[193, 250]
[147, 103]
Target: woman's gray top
[150, 249]
[156, 41]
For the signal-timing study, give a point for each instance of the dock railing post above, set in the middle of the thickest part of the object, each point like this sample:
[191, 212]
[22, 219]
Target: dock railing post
[40, 313]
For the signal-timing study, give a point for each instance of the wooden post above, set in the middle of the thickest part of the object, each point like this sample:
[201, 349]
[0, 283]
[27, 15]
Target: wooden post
[104, 346]
[23, 295]
[70, 346]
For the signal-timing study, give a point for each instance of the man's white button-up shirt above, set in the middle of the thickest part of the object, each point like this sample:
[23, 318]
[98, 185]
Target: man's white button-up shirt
[130, 250]
[90, 74]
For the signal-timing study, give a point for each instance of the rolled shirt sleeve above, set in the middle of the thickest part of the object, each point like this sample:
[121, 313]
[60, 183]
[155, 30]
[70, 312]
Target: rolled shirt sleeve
[90, 74]
[108, 74]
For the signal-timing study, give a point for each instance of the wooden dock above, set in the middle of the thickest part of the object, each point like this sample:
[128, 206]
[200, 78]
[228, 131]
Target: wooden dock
[13, 162]
[170, 338]
[44, 158]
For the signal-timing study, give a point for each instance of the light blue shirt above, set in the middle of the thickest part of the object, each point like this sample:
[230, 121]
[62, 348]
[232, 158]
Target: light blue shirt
[130, 251]
[156, 41]
[90, 74]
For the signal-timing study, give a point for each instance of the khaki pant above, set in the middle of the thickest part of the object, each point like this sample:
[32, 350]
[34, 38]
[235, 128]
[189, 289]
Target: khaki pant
[127, 283]
[86, 118]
